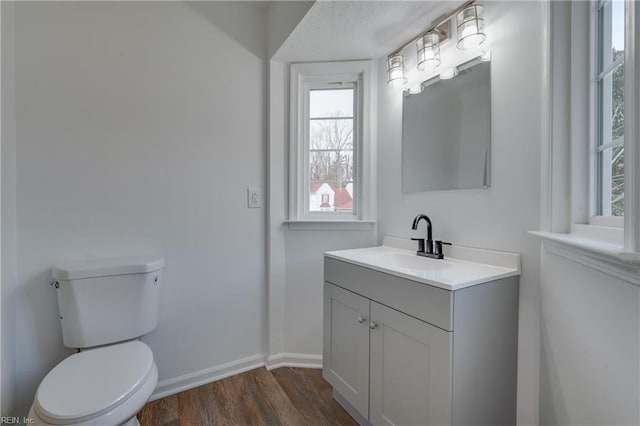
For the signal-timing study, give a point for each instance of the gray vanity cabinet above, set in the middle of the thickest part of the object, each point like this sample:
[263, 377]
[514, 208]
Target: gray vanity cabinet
[384, 362]
[346, 345]
[410, 371]
[400, 352]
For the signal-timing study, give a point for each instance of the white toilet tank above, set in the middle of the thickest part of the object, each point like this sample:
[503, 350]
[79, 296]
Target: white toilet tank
[107, 301]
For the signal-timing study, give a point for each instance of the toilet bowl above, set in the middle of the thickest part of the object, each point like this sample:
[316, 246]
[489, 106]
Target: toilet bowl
[105, 306]
[102, 386]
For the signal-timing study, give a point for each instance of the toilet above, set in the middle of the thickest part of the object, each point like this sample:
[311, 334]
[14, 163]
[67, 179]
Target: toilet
[105, 306]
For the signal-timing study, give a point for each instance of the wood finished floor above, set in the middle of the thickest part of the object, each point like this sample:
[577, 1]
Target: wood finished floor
[285, 396]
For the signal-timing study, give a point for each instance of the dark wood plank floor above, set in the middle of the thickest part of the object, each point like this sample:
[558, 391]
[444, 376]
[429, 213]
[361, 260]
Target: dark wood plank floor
[285, 396]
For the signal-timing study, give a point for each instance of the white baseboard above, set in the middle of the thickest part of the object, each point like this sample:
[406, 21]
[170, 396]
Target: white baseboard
[208, 375]
[293, 360]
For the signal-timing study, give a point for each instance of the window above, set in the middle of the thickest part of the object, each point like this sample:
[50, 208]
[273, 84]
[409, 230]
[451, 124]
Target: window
[608, 120]
[331, 144]
[590, 153]
[332, 128]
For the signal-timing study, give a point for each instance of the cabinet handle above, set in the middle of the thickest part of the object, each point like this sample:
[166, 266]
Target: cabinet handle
[373, 325]
[362, 318]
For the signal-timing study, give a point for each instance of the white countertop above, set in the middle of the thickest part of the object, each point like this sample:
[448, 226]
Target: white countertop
[449, 273]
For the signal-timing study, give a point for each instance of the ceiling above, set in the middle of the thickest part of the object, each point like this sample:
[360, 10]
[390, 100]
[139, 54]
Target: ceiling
[345, 30]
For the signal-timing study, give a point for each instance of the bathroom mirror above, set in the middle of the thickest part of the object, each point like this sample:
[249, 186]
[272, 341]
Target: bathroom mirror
[446, 132]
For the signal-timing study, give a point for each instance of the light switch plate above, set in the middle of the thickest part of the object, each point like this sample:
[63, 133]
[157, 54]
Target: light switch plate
[254, 198]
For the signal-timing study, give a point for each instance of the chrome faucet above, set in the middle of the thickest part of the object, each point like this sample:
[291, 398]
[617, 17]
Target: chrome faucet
[428, 247]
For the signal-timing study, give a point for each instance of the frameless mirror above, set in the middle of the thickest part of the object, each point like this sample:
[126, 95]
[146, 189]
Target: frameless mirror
[446, 132]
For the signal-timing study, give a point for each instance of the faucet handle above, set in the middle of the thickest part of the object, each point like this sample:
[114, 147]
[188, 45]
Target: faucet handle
[438, 246]
[420, 244]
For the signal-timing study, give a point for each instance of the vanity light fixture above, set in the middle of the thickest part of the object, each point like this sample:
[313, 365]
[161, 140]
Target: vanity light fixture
[395, 70]
[470, 24]
[428, 47]
[470, 29]
[449, 73]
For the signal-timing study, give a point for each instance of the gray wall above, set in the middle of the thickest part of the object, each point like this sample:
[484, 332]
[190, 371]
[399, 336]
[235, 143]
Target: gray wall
[500, 217]
[139, 128]
[590, 340]
[9, 279]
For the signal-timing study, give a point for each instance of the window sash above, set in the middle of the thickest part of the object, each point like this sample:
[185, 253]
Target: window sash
[305, 191]
[601, 159]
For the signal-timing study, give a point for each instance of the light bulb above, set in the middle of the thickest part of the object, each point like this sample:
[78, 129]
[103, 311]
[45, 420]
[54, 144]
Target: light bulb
[395, 70]
[415, 89]
[449, 73]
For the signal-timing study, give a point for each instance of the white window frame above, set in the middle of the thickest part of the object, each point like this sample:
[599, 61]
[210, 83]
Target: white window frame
[320, 75]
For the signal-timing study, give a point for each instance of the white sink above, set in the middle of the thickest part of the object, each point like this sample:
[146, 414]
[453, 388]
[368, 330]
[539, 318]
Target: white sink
[449, 273]
[409, 260]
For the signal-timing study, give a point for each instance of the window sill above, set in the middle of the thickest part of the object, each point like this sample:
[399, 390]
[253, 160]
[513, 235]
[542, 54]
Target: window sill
[605, 256]
[330, 225]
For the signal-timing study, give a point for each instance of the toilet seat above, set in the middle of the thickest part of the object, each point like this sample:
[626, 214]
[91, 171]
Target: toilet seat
[94, 382]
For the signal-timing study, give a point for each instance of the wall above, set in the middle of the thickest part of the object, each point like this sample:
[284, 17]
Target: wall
[283, 17]
[9, 261]
[590, 340]
[139, 128]
[295, 257]
[497, 218]
[304, 283]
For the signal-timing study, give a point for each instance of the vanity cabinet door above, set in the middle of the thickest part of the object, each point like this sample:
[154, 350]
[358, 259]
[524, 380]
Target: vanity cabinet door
[345, 352]
[410, 370]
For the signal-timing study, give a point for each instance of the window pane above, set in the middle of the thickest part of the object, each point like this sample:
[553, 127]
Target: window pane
[331, 181]
[617, 181]
[617, 103]
[610, 33]
[609, 143]
[331, 197]
[331, 134]
[331, 150]
[611, 177]
[611, 107]
[331, 166]
[331, 103]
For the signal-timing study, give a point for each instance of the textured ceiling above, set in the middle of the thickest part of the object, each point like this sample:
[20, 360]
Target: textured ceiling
[343, 30]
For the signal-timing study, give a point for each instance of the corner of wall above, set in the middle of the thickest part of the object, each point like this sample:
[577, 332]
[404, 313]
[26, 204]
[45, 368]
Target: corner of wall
[282, 19]
[277, 181]
[8, 192]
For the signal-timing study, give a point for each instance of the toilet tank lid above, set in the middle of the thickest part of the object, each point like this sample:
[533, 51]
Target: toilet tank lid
[106, 267]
